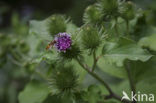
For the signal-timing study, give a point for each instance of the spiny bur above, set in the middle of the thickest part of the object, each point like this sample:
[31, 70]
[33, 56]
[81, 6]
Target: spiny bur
[92, 15]
[129, 11]
[64, 80]
[110, 8]
[90, 37]
[56, 24]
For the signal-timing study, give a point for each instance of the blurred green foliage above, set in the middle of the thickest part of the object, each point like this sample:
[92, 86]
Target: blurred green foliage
[30, 74]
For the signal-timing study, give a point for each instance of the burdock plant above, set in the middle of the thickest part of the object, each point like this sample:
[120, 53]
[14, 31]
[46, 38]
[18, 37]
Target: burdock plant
[101, 48]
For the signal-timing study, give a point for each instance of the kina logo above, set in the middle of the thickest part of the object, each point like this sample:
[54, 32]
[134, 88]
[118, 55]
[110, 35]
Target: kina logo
[138, 97]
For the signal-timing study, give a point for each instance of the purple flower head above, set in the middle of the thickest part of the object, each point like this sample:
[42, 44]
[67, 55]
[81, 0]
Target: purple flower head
[63, 42]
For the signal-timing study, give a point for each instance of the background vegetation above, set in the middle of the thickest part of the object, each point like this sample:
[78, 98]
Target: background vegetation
[28, 72]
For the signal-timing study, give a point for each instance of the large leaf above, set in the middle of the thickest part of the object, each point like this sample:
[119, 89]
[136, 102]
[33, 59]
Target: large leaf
[143, 87]
[71, 28]
[142, 70]
[149, 41]
[38, 35]
[111, 69]
[40, 29]
[108, 67]
[34, 93]
[125, 49]
[143, 76]
[147, 86]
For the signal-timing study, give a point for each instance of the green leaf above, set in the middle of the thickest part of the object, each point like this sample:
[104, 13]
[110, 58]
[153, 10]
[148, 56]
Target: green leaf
[46, 55]
[93, 94]
[141, 70]
[126, 49]
[34, 93]
[111, 69]
[71, 28]
[40, 29]
[33, 44]
[149, 41]
[147, 86]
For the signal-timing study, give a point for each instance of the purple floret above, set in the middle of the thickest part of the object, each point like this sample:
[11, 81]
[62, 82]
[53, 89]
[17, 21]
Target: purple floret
[63, 42]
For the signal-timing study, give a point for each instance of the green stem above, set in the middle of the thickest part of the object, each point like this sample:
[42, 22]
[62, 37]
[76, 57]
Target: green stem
[127, 26]
[94, 75]
[95, 60]
[131, 82]
[116, 26]
[111, 93]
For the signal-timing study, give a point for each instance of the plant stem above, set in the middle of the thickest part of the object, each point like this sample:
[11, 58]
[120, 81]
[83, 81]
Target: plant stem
[131, 82]
[116, 26]
[111, 93]
[95, 60]
[127, 25]
[95, 75]
[41, 75]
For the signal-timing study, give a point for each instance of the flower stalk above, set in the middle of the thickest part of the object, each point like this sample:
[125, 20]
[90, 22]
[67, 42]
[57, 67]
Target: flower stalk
[116, 26]
[111, 93]
[127, 26]
[131, 82]
[95, 60]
